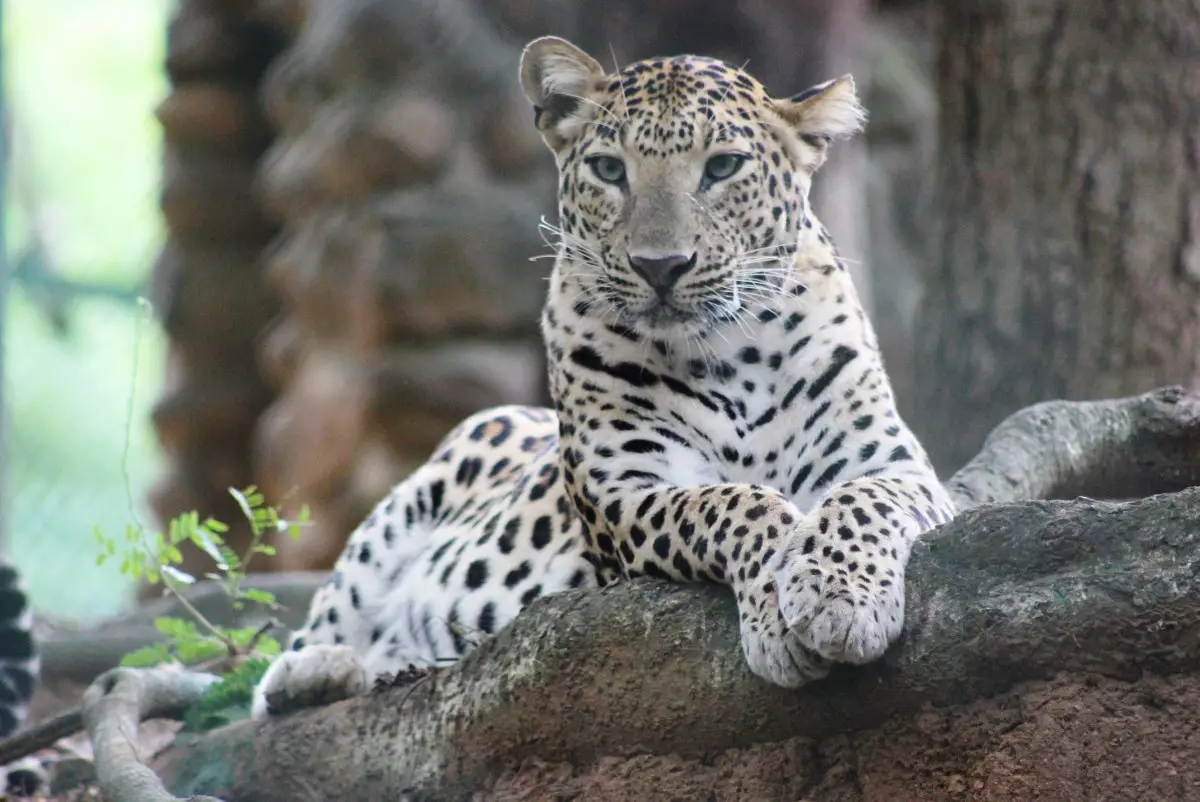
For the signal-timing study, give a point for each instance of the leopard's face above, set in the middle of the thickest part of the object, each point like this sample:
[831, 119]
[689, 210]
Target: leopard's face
[683, 186]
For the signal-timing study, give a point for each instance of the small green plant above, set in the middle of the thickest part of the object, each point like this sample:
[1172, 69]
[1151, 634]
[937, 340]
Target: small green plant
[240, 654]
[155, 557]
[228, 699]
[245, 651]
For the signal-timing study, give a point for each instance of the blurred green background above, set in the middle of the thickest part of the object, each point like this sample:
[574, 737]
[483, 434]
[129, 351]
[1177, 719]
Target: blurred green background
[82, 80]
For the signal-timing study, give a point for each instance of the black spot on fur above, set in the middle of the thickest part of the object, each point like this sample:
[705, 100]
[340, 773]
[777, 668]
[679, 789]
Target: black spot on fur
[477, 574]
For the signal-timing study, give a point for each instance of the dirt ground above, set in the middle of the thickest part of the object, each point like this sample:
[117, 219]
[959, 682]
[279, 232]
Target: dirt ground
[1067, 740]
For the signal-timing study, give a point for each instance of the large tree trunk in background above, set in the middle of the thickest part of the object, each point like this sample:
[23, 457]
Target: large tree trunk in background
[838, 194]
[1068, 245]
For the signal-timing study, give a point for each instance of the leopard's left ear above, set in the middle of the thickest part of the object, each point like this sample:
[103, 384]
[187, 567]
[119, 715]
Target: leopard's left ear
[826, 111]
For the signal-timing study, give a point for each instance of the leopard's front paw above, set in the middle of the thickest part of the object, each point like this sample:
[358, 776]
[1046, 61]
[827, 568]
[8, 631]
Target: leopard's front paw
[844, 605]
[316, 675]
[772, 651]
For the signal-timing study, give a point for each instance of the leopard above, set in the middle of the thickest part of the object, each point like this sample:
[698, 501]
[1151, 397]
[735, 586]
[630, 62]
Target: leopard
[721, 411]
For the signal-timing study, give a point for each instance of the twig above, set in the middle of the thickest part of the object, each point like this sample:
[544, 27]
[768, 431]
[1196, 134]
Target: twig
[266, 627]
[213, 629]
[41, 736]
[146, 306]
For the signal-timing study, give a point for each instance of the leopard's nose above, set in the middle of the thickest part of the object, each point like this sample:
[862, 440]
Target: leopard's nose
[662, 273]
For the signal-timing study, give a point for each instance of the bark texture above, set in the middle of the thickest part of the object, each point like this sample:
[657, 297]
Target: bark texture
[1006, 593]
[1068, 246]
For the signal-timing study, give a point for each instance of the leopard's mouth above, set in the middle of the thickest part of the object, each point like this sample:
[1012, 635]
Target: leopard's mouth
[660, 313]
[667, 310]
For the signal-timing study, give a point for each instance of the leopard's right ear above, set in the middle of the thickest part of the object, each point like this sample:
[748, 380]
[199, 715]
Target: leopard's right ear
[559, 79]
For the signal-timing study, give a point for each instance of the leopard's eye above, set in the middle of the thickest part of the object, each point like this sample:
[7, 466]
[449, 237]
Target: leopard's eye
[722, 166]
[608, 169]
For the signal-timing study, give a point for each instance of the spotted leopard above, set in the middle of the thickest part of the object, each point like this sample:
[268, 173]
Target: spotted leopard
[721, 411]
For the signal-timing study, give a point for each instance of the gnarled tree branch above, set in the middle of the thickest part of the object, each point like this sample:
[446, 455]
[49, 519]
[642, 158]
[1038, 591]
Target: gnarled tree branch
[113, 707]
[1117, 449]
[1003, 594]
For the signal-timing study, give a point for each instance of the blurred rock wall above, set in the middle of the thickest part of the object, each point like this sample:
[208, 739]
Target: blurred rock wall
[207, 284]
[409, 183]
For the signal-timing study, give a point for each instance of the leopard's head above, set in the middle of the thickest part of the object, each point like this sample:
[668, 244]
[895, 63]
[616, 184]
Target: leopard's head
[683, 185]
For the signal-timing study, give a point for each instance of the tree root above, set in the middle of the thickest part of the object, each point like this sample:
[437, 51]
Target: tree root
[113, 707]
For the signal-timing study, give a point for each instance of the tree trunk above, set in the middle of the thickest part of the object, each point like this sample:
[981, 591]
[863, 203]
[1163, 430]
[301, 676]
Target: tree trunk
[1067, 259]
[1004, 594]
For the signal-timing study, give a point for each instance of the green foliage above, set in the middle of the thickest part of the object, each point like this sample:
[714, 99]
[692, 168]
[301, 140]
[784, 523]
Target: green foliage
[187, 644]
[155, 557]
[228, 699]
